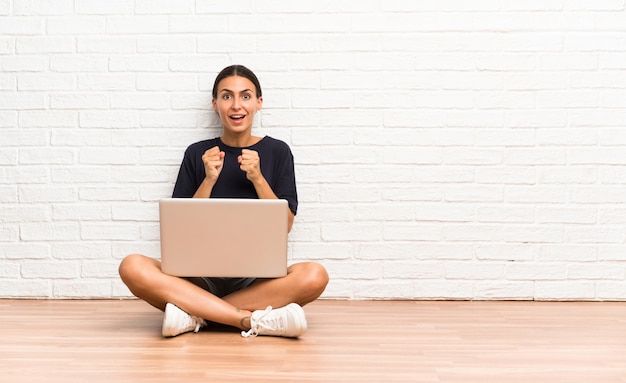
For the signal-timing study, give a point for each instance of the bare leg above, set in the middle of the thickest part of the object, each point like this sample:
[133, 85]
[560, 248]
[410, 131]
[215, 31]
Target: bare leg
[304, 283]
[144, 278]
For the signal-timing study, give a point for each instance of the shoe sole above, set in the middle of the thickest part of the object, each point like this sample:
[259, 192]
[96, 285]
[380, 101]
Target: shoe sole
[300, 318]
[168, 322]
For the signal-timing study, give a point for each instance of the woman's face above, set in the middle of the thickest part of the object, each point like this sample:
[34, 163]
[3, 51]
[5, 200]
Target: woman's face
[236, 103]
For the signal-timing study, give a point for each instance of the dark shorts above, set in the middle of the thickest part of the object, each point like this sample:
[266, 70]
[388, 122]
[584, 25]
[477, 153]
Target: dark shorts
[221, 287]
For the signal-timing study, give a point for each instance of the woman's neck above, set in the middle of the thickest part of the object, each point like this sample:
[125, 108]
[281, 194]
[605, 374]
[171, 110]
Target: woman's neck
[239, 141]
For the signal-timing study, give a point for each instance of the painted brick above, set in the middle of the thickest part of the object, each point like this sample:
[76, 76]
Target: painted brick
[49, 231]
[83, 288]
[46, 119]
[129, 25]
[79, 101]
[81, 212]
[43, 7]
[606, 271]
[80, 64]
[519, 214]
[198, 24]
[385, 251]
[534, 272]
[476, 271]
[413, 231]
[568, 253]
[109, 231]
[104, 45]
[71, 25]
[18, 288]
[43, 194]
[611, 290]
[351, 232]
[564, 290]
[504, 291]
[71, 175]
[107, 193]
[8, 82]
[444, 289]
[506, 252]
[567, 175]
[109, 119]
[102, 156]
[383, 289]
[413, 270]
[49, 270]
[21, 101]
[165, 44]
[108, 82]
[20, 26]
[443, 150]
[8, 156]
[80, 137]
[24, 251]
[46, 45]
[15, 214]
[100, 270]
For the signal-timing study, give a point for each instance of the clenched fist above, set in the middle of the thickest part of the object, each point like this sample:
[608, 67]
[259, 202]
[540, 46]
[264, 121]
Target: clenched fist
[250, 163]
[213, 163]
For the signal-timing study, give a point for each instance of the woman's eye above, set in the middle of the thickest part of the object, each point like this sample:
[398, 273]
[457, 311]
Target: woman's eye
[246, 96]
[226, 97]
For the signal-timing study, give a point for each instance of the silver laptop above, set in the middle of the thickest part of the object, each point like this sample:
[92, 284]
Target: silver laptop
[217, 237]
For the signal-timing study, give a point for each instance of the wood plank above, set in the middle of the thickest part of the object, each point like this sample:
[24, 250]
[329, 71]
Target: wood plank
[347, 341]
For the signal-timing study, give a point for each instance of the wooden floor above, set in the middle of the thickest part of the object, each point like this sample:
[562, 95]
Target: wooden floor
[347, 341]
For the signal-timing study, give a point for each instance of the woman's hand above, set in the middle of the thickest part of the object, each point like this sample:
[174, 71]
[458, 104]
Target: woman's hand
[213, 163]
[250, 163]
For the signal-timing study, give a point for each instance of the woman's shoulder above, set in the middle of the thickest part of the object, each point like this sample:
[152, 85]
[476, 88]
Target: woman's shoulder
[202, 146]
[273, 144]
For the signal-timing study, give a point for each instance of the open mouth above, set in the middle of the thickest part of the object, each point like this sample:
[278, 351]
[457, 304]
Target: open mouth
[237, 117]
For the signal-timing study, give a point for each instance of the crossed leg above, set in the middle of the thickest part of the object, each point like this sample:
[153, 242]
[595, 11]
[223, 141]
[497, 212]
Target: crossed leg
[303, 283]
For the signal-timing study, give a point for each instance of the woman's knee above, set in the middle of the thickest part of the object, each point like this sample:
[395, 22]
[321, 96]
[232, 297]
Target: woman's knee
[132, 267]
[320, 276]
[314, 278]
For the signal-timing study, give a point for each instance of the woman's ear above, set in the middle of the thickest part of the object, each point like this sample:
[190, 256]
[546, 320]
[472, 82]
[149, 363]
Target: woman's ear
[214, 104]
[259, 103]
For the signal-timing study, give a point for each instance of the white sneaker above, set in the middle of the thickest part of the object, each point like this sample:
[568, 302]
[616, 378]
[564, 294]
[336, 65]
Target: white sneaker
[176, 322]
[288, 321]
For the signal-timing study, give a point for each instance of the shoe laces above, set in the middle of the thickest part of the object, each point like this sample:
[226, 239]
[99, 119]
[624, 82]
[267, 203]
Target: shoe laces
[190, 321]
[199, 322]
[256, 326]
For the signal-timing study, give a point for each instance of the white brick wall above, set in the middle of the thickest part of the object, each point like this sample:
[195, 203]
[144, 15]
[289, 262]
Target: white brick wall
[445, 149]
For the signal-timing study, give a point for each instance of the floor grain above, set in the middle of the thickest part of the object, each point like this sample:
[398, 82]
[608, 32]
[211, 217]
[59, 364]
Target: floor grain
[348, 341]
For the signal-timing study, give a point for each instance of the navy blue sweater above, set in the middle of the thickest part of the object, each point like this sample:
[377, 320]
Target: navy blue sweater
[276, 161]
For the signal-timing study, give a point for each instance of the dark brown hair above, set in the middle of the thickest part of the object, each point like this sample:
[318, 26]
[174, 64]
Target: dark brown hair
[237, 70]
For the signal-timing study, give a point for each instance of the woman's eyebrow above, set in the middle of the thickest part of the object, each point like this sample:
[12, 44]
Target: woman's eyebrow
[230, 91]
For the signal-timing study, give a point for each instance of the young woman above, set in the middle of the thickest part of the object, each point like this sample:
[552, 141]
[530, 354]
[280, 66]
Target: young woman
[235, 165]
